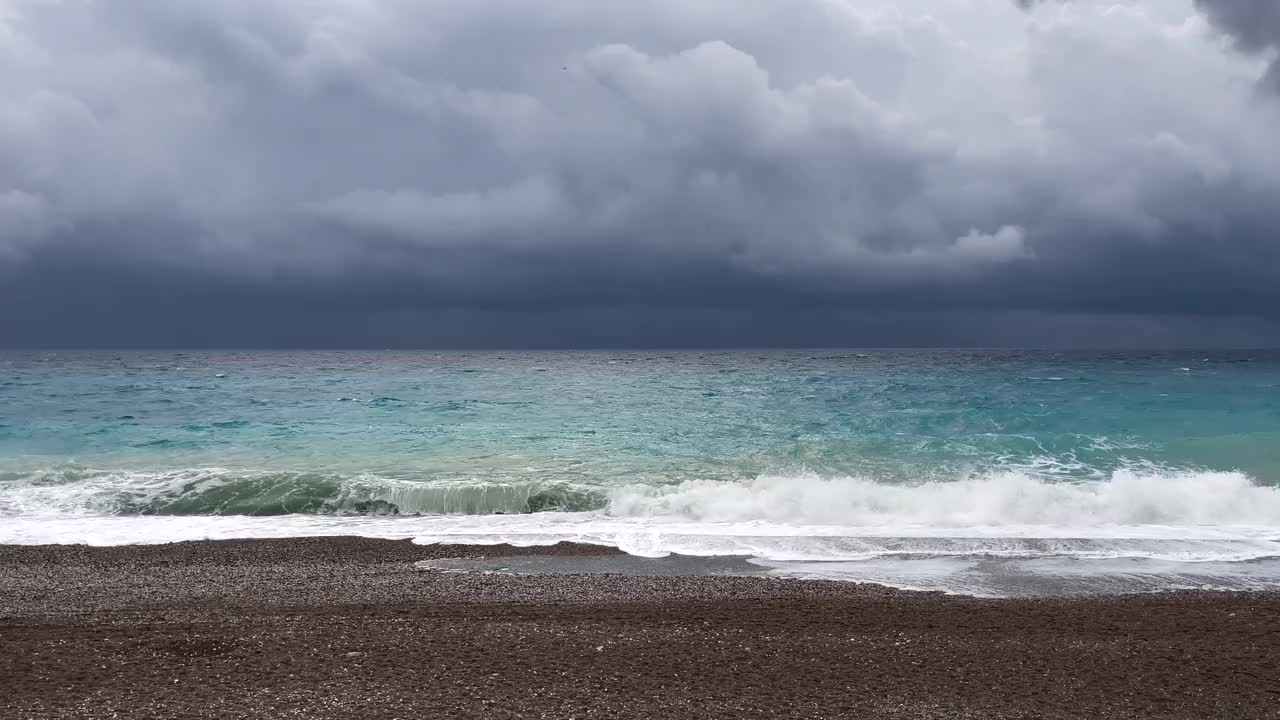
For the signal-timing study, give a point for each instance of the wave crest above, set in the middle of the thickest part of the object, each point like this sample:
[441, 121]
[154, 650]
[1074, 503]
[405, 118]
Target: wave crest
[218, 491]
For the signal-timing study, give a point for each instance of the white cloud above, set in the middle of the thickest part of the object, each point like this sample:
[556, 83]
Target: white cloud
[1007, 243]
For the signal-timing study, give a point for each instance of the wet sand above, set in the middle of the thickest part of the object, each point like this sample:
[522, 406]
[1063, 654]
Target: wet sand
[348, 628]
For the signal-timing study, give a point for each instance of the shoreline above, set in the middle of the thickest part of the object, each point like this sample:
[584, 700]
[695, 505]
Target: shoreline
[351, 627]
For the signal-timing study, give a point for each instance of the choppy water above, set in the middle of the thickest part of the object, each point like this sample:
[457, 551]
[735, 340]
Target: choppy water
[912, 468]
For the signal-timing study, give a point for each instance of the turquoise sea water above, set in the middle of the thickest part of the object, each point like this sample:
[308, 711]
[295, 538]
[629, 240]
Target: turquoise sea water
[809, 462]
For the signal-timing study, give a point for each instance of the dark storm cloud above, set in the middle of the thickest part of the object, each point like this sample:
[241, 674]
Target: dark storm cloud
[1254, 23]
[565, 172]
[1255, 26]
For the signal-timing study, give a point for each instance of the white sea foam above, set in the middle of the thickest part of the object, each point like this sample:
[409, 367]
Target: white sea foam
[1128, 497]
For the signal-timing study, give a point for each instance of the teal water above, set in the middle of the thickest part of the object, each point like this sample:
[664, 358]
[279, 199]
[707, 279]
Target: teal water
[648, 449]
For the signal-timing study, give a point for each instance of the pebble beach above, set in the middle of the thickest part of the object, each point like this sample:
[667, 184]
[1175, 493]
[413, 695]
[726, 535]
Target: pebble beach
[358, 628]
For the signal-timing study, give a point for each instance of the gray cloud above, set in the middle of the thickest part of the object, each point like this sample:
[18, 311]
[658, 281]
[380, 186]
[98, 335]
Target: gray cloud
[1253, 25]
[564, 172]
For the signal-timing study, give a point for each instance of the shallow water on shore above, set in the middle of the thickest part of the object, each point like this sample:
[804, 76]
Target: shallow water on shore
[981, 577]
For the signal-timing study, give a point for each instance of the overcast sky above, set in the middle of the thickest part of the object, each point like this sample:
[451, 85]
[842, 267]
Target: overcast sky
[569, 173]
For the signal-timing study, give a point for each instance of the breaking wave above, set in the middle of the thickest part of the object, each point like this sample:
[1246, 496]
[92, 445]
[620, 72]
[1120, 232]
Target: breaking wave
[1128, 497]
[218, 491]
[801, 524]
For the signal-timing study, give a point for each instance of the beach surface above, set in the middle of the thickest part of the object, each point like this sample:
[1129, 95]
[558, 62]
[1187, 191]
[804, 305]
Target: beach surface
[358, 628]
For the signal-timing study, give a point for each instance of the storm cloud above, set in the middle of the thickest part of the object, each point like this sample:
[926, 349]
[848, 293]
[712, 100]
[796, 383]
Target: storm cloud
[572, 172]
[1253, 25]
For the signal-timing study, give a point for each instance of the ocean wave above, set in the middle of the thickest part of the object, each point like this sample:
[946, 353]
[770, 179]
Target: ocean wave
[1181, 516]
[1127, 497]
[1136, 496]
[220, 491]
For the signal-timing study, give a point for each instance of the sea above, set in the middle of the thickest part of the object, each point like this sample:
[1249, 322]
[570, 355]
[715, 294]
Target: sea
[984, 472]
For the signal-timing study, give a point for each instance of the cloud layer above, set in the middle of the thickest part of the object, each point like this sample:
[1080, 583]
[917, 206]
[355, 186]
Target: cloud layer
[570, 172]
